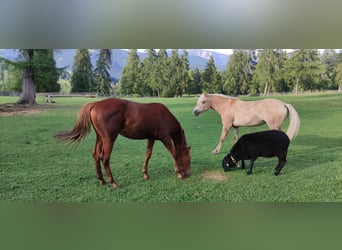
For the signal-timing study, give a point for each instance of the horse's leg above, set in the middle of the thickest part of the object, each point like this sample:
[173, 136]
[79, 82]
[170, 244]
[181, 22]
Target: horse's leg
[97, 153]
[236, 134]
[224, 133]
[107, 150]
[171, 148]
[149, 147]
[251, 167]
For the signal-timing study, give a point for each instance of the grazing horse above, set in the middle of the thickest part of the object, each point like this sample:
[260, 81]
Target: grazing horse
[235, 113]
[111, 117]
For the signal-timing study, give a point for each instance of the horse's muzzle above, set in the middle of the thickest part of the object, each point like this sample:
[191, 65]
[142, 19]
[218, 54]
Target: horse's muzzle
[183, 175]
[196, 112]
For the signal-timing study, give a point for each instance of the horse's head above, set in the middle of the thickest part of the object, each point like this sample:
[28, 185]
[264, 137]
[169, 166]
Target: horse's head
[228, 162]
[184, 162]
[203, 104]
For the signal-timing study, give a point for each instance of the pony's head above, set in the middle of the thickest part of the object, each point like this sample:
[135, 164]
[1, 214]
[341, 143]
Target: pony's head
[203, 104]
[229, 162]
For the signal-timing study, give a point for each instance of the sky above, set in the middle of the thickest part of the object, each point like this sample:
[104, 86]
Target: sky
[223, 51]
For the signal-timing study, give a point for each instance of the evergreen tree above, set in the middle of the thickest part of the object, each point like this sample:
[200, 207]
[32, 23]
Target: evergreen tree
[236, 77]
[268, 72]
[302, 69]
[102, 72]
[45, 72]
[82, 78]
[130, 82]
[329, 67]
[174, 86]
[209, 80]
[162, 72]
[195, 82]
[185, 76]
[148, 72]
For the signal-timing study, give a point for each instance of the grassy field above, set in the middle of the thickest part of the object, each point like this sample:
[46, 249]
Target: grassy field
[35, 167]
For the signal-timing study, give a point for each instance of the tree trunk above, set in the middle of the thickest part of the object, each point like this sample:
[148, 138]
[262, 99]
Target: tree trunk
[297, 85]
[28, 95]
[266, 89]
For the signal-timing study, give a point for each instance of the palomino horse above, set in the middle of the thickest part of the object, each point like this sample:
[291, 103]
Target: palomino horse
[235, 113]
[111, 117]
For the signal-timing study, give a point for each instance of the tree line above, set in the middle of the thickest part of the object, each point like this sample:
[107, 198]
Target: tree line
[248, 71]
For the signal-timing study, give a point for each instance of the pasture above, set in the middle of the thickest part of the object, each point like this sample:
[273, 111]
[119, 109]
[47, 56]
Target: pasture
[35, 167]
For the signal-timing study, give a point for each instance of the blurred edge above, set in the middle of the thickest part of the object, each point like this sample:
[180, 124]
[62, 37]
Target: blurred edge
[170, 226]
[170, 24]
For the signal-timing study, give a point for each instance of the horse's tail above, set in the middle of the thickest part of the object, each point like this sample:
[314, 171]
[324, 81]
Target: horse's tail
[81, 128]
[294, 125]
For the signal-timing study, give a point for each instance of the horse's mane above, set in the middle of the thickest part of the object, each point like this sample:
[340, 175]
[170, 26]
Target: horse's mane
[224, 96]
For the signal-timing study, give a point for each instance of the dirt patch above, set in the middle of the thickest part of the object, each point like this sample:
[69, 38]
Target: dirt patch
[214, 176]
[11, 109]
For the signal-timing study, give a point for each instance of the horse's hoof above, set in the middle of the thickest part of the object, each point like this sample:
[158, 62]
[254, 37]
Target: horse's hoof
[146, 176]
[215, 152]
[249, 172]
[115, 185]
[102, 182]
[180, 176]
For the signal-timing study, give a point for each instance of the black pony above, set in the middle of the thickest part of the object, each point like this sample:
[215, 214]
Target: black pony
[270, 143]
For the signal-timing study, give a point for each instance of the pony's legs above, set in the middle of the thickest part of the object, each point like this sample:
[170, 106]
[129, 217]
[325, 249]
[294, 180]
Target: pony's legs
[236, 134]
[281, 163]
[251, 167]
[171, 148]
[224, 133]
[97, 154]
[149, 147]
[107, 150]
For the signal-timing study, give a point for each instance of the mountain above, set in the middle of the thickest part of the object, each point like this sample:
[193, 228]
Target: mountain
[64, 58]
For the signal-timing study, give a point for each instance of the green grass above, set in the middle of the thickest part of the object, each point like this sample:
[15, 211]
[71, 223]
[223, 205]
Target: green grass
[35, 167]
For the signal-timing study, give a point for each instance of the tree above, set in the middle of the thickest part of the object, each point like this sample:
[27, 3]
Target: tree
[162, 72]
[28, 95]
[268, 72]
[329, 69]
[38, 73]
[236, 76]
[339, 71]
[82, 78]
[195, 81]
[130, 79]
[185, 76]
[302, 69]
[148, 72]
[174, 86]
[209, 79]
[10, 77]
[45, 72]
[102, 72]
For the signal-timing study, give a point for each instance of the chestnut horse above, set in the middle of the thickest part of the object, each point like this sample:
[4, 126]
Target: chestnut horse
[111, 117]
[235, 113]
